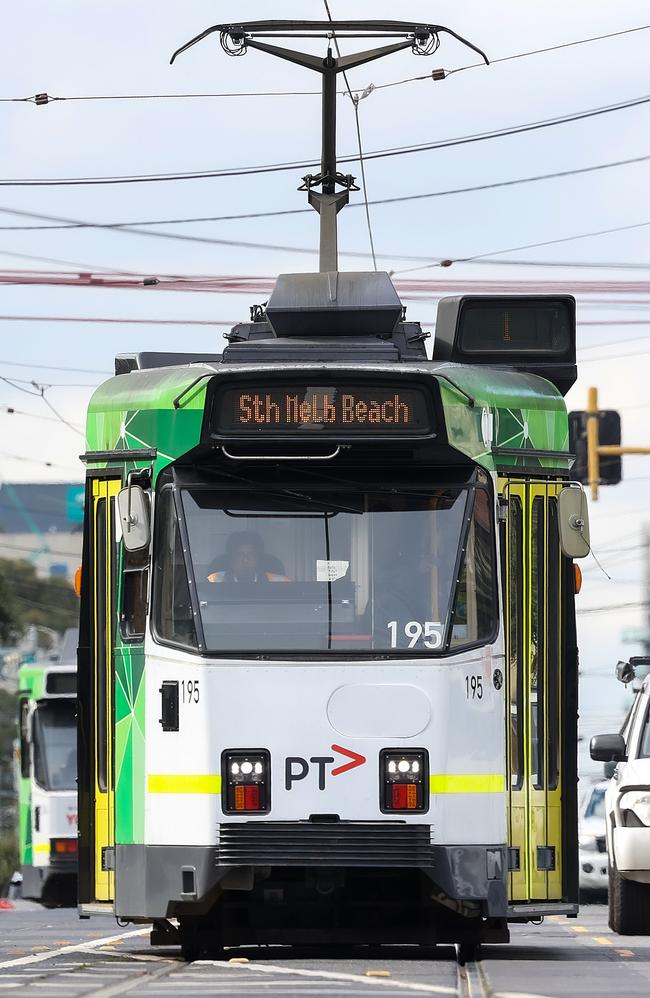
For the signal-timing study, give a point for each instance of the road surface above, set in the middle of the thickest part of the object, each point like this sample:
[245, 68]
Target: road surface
[48, 953]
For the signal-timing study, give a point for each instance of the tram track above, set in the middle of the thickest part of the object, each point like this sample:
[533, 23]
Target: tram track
[85, 971]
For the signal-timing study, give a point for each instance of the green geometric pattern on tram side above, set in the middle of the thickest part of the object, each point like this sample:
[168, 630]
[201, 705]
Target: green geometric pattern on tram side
[135, 411]
[25, 823]
[510, 410]
[129, 743]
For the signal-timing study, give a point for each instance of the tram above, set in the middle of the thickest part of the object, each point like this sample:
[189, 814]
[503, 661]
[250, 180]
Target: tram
[47, 780]
[328, 662]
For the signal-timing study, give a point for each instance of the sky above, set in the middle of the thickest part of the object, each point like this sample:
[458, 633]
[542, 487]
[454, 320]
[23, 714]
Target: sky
[73, 48]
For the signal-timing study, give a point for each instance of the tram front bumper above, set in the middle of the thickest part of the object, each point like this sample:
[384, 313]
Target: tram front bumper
[151, 880]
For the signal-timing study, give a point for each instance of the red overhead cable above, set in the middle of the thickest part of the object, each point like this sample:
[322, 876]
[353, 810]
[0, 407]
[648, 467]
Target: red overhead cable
[238, 284]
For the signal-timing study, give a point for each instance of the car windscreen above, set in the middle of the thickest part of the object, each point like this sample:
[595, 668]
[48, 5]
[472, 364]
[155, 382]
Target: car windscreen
[316, 571]
[55, 745]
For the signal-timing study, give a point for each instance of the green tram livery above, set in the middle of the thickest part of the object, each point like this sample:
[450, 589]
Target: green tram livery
[327, 662]
[46, 775]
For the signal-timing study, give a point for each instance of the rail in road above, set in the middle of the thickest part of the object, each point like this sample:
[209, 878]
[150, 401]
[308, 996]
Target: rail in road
[50, 953]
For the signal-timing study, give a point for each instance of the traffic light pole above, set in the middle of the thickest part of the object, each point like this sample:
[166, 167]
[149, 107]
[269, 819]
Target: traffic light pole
[596, 450]
[593, 456]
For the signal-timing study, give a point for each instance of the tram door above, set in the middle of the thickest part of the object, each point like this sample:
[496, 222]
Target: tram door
[104, 560]
[533, 600]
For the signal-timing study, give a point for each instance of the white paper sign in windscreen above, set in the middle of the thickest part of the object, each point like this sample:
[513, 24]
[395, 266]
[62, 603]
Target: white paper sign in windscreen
[328, 570]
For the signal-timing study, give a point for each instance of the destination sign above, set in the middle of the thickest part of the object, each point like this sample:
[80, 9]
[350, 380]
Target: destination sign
[351, 408]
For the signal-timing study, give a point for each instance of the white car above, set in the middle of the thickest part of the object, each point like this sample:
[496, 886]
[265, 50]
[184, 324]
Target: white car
[627, 811]
[591, 839]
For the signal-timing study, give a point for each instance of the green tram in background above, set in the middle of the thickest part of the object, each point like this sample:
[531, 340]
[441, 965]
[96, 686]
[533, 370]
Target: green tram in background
[46, 776]
[328, 664]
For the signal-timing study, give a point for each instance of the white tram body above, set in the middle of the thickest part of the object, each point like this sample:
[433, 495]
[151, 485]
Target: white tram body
[328, 643]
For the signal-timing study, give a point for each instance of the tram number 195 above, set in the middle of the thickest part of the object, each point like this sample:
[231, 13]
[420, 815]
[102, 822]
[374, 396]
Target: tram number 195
[190, 690]
[430, 632]
[474, 687]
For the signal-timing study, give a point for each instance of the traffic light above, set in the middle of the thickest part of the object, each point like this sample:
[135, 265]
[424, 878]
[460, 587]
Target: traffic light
[609, 433]
[595, 439]
[578, 446]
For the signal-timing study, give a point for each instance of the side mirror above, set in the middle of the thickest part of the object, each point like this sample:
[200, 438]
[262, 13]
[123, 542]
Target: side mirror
[608, 748]
[624, 672]
[573, 520]
[134, 517]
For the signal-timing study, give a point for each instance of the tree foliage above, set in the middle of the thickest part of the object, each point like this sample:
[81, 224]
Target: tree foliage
[27, 599]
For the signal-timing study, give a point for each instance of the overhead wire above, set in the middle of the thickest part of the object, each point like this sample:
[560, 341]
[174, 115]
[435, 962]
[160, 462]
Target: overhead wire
[53, 367]
[525, 246]
[445, 262]
[280, 167]
[30, 460]
[134, 226]
[552, 48]
[32, 99]
[12, 411]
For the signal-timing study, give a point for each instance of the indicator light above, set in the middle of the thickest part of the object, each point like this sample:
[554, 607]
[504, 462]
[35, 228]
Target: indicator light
[246, 781]
[403, 780]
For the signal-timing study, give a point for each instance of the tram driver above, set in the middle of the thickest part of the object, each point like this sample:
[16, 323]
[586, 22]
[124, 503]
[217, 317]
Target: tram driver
[246, 561]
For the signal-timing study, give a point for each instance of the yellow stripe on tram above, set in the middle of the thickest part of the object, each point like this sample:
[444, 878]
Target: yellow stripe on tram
[467, 783]
[184, 783]
[41, 847]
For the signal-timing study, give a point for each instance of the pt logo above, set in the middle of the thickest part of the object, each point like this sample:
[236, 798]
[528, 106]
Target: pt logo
[296, 768]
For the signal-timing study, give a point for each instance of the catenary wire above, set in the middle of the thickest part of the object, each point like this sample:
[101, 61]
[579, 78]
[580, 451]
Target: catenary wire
[316, 93]
[7, 409]
[300, 211]
[552, 48]
[126, 227]
[280, 167]
[525, 246]
[51, 367]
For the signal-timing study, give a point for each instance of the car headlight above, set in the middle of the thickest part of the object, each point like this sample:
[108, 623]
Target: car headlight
[635, 808]
[588, 842]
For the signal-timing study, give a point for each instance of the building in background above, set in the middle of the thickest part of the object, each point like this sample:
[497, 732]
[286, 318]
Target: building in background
[42, 523]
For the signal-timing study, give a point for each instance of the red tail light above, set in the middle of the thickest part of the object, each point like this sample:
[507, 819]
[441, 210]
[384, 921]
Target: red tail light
[63, 847]
[404, 780]
[246, 781]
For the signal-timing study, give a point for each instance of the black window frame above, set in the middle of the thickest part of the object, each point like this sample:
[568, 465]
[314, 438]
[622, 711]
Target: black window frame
[554, 644]
[133, 574]
[101, 524]
[24, 739]
[515, 601]
[539, 618]
[165, 488]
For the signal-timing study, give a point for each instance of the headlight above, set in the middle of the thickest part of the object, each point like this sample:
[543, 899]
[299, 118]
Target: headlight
[246, 781]
[403, 780]
[635, 808]
[588, 842]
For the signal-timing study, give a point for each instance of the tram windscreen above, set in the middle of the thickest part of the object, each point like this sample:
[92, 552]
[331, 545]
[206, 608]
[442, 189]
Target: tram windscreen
[55, 745]
[310, 571]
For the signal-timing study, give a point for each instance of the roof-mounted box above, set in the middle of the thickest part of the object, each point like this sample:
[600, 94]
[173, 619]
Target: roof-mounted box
[532, 334]
[334, 304]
